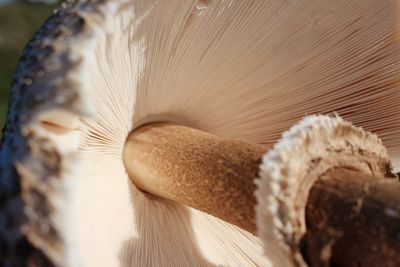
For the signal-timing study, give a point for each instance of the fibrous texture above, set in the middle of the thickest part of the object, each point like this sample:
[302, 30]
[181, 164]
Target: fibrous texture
[242, 69]
[307, 151]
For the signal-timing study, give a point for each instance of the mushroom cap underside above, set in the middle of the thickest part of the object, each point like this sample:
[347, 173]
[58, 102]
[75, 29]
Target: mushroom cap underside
[247, 70]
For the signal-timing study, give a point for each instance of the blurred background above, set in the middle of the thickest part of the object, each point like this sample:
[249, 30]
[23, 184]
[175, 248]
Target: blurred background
[19, 20]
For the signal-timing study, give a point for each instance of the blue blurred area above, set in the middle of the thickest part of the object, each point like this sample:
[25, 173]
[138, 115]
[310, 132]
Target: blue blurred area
[8, 2]
[5, 2]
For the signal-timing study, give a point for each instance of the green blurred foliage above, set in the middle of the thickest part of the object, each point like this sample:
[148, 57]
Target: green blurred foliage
[18, 23]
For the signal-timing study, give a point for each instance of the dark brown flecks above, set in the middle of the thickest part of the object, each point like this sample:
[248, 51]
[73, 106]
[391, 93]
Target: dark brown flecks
[349, 226]
[41, 80]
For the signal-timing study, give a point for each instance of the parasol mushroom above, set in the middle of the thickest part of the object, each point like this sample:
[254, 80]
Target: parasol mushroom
[98, 70]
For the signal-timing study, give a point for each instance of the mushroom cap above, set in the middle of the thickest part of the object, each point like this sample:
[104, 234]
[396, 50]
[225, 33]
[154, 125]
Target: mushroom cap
[98, 69]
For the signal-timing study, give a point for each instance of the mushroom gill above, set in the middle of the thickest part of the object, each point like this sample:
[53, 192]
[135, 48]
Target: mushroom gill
[97, 70]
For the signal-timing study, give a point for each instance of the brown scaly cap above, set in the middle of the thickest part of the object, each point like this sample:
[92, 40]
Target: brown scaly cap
[33, 167]
[306, 151]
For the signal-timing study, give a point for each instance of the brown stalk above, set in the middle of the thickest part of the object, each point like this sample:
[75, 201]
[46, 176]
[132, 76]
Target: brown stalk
[352, 219]
[203, 171]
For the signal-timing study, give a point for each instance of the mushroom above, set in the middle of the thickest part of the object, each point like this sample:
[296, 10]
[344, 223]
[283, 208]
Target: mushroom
[98, 70]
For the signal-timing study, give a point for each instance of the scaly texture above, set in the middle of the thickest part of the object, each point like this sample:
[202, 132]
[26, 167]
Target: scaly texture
[288, 171]
[37, 171]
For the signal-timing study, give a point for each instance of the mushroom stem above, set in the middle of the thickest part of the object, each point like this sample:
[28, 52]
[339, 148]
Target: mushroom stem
[353, 220]
[206, 172]
[349, 213]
